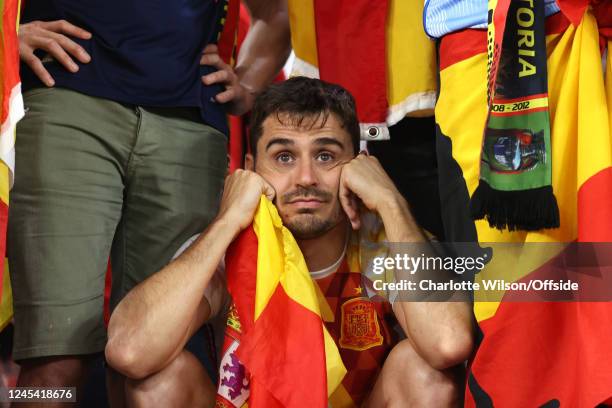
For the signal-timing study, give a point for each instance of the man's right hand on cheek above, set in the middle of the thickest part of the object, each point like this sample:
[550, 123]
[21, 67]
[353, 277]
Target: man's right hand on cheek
[241, 195]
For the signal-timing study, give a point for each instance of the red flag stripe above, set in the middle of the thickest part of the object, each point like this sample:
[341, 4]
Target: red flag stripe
[569, 340]
[573, 9]
[9, 52]
[289, 337]
[227, 39]
[352, 52]
[241, 267]
[594, 206]
[461, 45]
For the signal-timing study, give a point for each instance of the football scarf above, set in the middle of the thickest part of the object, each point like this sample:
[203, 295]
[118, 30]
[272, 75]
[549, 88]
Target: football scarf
[515, 190]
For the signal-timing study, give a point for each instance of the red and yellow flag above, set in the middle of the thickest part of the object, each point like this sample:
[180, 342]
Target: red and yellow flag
[11, 111]
[375, 49]
[278, 352]
[541, 354]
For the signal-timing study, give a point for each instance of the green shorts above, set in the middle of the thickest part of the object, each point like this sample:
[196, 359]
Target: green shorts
[94, 180]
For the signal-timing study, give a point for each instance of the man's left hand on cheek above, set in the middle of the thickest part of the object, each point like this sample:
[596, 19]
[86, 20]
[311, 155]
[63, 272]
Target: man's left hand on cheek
[364, 178]
[236, 98]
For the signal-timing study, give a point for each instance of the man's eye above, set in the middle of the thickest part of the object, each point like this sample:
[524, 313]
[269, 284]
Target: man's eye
[325, 157]
[284, 158]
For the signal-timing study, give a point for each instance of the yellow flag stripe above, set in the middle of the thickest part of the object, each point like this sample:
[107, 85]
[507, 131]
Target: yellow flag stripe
[6, 302]
[417, 56]
[270, 258]
[303, 34]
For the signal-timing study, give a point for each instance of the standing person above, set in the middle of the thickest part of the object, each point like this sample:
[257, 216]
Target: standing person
[122, 152]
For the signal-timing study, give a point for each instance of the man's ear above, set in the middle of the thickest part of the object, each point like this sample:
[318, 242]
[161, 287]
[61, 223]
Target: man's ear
[249, 162]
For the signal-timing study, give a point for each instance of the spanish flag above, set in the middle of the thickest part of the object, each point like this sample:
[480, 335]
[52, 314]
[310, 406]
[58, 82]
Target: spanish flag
[277, 352]
[540, 354]
[11, 111]
[377, 50]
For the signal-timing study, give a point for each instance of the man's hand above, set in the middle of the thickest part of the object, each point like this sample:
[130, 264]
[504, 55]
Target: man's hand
[364, 178]
[236, 97]
[241, 195]
[51, 36]
[262, 55]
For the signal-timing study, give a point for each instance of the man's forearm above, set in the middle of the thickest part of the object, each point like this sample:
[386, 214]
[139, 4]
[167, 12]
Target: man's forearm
[152, 323]
[400, 225]
[266, 46]
[441, 332]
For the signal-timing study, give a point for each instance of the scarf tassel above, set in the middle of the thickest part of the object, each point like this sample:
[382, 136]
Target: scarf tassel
[527, 210]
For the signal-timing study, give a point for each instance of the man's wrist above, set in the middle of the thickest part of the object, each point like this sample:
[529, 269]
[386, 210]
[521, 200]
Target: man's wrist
[224, 225]
[392, 204]
[399, 222]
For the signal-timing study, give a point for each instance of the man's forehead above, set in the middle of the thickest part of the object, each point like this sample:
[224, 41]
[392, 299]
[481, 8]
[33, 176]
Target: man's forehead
[292, 126]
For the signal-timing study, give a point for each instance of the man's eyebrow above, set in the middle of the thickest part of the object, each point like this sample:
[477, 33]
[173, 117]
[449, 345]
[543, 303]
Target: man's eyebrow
[281, 141]
[322, 141]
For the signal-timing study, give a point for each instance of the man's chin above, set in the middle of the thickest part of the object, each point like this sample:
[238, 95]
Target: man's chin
[306, 225]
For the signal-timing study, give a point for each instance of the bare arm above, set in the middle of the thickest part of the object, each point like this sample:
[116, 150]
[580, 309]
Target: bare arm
[262, 55]
[154, 321]
[267, 45]
[441, 332]
[151, 325]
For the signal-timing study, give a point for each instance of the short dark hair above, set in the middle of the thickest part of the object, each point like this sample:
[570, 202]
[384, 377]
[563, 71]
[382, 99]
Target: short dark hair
[300, 98]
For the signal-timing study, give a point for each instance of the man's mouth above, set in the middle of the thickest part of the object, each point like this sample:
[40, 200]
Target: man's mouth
[306, 199]
[306, 202]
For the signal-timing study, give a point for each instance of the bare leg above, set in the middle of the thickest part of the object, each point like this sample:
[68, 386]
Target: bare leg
[406, 380]
[62, 371]
[115, 388]
[183, 383]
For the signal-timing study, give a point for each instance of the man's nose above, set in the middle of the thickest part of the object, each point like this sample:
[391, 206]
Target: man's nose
[306, 175]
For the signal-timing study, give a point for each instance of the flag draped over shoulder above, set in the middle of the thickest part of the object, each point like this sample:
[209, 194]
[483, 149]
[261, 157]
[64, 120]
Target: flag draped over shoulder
[277, 351]
[541, 354]
[11, 111]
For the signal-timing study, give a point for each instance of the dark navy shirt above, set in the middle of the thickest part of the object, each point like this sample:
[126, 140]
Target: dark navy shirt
[143, 52]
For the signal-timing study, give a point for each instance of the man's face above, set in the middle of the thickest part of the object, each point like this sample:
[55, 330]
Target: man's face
[303, 164]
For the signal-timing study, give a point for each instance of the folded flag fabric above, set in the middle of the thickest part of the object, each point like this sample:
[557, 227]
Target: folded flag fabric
[277, 352]
[11, 111]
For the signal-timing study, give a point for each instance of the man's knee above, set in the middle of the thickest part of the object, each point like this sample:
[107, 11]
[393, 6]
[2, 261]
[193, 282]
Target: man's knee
[408, 381]
[182, 383]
